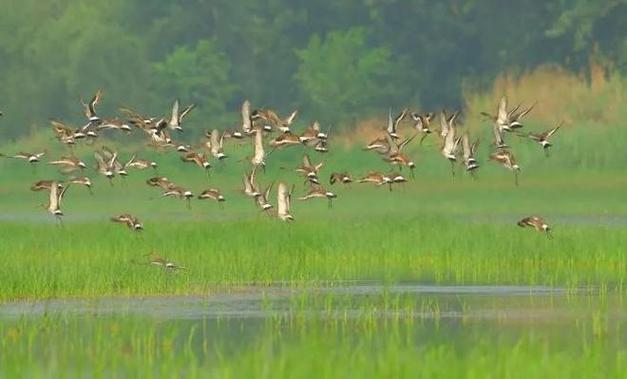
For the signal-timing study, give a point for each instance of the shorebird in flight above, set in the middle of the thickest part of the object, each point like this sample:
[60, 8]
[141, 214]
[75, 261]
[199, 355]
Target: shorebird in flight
[82, 181]
[422, 123]
[537, 223]
[379, 145]
[450, 142]
[340, 177]
[176, 117]
[516, 115]
[115, 124]
[259, 156]
[506, 159]
[313, 134]
[57, 191]
[157, 260]
[392, 125]
[395, 155]
[269, 119]
[130, 221]
[69, 164]
[90, 109]
[105, 164]
[177, 191]
[284, 140]
[251, 188]
[284, 199]
[470, 152]
[140, 164]
[543, 138]
[377, 178]
[45, 185]
[246, 127]
[161, 182]
[216, 144]
[29, 157]
[309, 170]
[263, 199]
[507, 120]
[319, 192]
[212, 194]
[199, 159]
[64, 134]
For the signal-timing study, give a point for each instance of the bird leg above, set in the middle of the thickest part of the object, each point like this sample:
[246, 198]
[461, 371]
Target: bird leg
[516, 178]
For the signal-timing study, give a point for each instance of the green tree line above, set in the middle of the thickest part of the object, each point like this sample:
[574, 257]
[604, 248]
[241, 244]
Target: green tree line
[336, 60]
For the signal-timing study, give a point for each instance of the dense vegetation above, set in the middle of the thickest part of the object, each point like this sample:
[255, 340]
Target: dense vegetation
[337, 60]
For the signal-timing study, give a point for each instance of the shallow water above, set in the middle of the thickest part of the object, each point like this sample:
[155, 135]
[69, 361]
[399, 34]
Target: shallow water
[344, 301]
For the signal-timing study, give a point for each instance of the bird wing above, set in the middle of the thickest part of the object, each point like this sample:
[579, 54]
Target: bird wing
[400, 117]
[501, 115]
[443, 124]
[174, 118]
[307, 161]
[466, 147]
[259, 152]
[62, 193]
[246, 123]
[215, 142]
[552, 131]
[290, 119]
[186, 111]
[391, 128]
[406, 142]
[282, 200]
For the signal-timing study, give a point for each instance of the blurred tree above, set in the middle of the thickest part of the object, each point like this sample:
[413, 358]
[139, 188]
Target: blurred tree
[199, 75]
[340, 77]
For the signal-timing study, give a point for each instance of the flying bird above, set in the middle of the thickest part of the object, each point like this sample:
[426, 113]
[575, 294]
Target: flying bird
[176, 117]
[130, 221]
[506, 159]
[536, 223]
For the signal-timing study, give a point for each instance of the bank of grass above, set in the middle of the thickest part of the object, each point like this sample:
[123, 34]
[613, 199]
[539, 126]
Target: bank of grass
[96, 258]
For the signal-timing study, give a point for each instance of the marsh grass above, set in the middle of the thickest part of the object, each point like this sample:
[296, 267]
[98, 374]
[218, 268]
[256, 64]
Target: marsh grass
[96, 258]
[304, 347]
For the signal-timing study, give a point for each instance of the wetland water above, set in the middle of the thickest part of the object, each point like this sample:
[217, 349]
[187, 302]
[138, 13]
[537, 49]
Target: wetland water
[407, 301]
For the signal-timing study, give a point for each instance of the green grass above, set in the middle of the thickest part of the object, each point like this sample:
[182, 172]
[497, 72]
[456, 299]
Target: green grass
[93, 346]
[95, 258]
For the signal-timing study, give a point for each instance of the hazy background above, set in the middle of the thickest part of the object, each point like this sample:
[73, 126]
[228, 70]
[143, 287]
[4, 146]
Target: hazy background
[335, 60]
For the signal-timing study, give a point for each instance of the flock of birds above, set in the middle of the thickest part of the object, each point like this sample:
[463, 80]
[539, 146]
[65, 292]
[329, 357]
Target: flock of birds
[263, 128]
